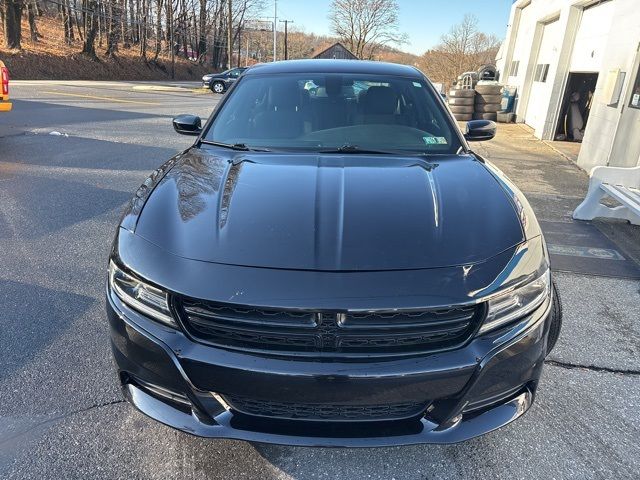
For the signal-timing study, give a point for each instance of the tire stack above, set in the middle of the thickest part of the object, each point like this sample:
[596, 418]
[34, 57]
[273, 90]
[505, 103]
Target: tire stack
[487, 101]
[461, 103]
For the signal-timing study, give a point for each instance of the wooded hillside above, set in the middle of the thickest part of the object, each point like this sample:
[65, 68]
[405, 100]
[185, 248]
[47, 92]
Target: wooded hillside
[183, 39]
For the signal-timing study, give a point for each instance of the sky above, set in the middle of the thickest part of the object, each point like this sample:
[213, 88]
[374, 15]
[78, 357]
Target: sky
[424, 21]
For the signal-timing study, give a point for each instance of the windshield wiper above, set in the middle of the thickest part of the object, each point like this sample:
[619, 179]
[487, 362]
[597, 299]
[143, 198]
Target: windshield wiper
[349, 148]
[235, 146]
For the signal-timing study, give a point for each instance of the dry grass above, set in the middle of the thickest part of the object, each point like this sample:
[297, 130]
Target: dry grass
[51, 59]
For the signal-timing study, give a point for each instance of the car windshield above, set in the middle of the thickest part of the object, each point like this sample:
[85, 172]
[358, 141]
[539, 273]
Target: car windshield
[334, 112]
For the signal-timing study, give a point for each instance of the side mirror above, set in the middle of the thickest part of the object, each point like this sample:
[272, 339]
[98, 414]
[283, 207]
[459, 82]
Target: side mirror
[480, 130]
[187, 124]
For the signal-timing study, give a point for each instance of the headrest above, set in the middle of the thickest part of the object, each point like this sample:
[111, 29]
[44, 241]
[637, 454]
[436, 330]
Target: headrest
[380, 101]
[284, 94]
[333, 86]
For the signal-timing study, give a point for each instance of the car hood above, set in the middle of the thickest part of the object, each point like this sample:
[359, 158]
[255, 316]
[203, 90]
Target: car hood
[329, 212]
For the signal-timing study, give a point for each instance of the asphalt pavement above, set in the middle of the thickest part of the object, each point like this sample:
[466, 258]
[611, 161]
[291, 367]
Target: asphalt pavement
[72, 153]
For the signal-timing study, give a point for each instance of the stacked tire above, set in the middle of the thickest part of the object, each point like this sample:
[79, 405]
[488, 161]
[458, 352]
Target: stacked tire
[487, 101]
[461, 103]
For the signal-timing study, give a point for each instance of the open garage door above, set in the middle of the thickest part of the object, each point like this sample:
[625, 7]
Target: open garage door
[543, 74]
[584, 67]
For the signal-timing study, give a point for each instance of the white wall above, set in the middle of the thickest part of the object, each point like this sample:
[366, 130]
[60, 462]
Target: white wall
[608, 41]
[619, 52]
[523, 40]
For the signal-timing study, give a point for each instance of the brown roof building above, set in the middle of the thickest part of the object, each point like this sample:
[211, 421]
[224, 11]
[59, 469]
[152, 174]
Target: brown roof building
[337, 51]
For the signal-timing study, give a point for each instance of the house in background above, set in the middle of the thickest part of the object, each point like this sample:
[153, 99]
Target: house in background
[575, 64]
[337, 50]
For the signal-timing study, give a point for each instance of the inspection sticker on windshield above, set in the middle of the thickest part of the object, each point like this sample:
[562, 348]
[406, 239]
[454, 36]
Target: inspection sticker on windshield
[435, 140]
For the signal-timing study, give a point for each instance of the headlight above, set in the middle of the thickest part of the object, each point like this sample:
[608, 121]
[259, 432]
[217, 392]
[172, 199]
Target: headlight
[144, 298]
[519, 302]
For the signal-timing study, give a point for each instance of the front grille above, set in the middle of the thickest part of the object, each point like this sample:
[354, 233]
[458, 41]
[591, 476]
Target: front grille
[329, 334]
[317, 411]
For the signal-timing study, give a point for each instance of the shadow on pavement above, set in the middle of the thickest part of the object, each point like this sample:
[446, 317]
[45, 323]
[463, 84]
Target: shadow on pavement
[33, 114]
[32, 318]
[78, 152]
[50, 205]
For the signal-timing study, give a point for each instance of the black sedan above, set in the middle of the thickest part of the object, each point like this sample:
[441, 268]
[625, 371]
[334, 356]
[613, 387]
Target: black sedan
[338, 269]
[220, 82]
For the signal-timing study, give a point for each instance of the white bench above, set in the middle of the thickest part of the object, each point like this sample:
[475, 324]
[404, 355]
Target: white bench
[621, 184]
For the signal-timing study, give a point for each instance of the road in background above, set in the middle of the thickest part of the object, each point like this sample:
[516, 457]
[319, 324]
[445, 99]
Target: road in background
[72, 153]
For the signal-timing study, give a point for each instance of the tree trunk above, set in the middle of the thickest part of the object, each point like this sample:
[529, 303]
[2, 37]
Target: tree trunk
[132, 30]
[183, 28]
[125, 24]
[32, 11]
[89, 48]
[12, 23]
[77, 21]
[114, 28]
[168, 5]
[64, 12]
[202, 41]
[158, 30]
[143, 36]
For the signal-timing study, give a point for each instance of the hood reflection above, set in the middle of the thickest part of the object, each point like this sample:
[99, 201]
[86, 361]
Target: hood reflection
[200, 176]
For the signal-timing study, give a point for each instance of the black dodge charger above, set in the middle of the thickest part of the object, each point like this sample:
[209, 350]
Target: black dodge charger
[332, 267]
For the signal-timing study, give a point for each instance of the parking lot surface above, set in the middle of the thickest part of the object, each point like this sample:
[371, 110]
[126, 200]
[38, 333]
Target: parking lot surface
[72, 153]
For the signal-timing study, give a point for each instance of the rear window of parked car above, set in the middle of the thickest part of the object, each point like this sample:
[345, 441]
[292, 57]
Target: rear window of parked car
[324, 111]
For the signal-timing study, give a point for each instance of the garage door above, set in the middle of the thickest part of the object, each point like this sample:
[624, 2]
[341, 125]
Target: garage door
[522, 48]
[591, 38]
[543, 74]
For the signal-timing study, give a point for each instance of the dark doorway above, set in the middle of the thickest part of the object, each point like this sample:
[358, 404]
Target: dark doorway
[576, 106]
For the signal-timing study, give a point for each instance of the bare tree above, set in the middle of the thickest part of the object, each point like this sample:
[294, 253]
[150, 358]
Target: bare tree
[91, 28]
[114, 28]
[190, 28]
[158, 30]
[32, 11]
[12, 23]
[463, 48]
[366, 25]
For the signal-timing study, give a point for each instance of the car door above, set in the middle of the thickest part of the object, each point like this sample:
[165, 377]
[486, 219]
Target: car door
[233, 75]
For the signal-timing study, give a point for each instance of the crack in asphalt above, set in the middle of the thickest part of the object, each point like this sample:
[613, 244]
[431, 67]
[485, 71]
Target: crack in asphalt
[5, 440]
[593, 368]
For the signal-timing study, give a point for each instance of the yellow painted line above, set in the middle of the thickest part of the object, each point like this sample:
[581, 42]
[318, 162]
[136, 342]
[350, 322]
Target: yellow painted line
[110, 99]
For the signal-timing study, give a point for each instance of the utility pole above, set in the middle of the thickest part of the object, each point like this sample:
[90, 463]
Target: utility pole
[229, 35]
[173, 48]
[275, 25]
[286, 38]
[246, 63]
[239, 43]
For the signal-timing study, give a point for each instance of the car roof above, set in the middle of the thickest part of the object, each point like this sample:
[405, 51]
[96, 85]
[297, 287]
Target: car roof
[334, 66]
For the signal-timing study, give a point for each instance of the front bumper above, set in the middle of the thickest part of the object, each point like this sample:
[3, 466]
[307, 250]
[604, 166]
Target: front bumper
[466, 392]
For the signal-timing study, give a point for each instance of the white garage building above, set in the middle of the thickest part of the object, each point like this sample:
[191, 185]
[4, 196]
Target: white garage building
[575, 66]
